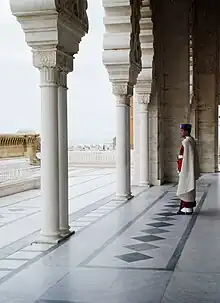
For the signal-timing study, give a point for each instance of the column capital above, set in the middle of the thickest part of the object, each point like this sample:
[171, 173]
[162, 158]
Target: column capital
[62, 79]
[48, 76]
[143, 98]
[122, 89]
[52, 58]
[123, 93]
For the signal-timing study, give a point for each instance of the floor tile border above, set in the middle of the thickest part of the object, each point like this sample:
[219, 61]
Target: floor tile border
[171, 265]
[120, 231]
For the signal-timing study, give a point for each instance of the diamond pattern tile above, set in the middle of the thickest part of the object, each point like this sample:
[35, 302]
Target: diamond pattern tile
[160, 224]
[167, 214]
[141, 247]
[154, 231]
[164, 219]
[172, 205]
[133, 257]
[56, 301]
[149, 238]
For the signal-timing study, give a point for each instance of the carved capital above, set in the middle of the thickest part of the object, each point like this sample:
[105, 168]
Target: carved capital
[52, 58]
[123, 100]
[123, 93]
[143, 98]
[122, 89]
[48, 76]
[62, 79]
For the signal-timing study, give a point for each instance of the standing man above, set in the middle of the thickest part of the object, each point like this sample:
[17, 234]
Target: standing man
[188, 167]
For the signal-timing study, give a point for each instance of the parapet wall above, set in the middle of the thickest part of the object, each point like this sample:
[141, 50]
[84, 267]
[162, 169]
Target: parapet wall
[20, 145]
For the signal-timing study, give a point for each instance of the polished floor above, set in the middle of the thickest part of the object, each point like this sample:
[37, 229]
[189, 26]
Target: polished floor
[134, 252]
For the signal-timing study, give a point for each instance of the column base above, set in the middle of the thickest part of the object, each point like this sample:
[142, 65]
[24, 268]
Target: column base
[47, 239]
[124, 198]
[65, 231]
[145, 184]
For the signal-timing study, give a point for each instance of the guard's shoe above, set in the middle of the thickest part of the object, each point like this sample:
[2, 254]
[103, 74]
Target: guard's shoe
[185, 211]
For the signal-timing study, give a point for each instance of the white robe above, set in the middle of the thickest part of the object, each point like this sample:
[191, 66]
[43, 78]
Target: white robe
[190, 171]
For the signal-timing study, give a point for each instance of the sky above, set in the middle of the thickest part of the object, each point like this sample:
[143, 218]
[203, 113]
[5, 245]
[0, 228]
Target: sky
[91, 105]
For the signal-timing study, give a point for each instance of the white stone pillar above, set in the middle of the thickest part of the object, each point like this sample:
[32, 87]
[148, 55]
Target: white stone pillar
[123, 153]
[49, 155]
[63, 153]
[143, 100]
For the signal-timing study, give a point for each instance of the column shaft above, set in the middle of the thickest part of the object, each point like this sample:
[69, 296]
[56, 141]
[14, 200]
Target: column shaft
[123, 161]
[49, 153]
[63, 154]
[144, 145]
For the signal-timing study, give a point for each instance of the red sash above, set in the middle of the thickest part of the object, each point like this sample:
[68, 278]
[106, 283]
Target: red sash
[180, 159]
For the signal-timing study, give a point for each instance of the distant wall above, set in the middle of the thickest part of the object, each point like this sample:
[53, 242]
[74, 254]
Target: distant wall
[20, 145]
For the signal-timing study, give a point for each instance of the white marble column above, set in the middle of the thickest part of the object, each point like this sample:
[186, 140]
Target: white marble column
[49, 155]
[63, 153]
[143, 100]
[123, 156]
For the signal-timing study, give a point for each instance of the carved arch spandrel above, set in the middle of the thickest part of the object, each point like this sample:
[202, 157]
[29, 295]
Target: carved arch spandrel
[75, 9]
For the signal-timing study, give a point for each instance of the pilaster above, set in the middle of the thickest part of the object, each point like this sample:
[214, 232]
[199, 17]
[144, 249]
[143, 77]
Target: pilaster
[174, 69]
[206, 52]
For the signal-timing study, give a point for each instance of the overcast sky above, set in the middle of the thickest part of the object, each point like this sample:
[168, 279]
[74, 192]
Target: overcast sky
[91, 106]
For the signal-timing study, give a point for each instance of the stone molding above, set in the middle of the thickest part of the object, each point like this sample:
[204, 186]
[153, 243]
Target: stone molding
[122, 53]
[73, 9]
[53, 29]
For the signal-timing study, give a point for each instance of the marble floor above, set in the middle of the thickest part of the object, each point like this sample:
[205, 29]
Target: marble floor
[134, 252]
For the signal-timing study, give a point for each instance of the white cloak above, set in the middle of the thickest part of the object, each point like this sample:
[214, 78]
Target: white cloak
[190, 171]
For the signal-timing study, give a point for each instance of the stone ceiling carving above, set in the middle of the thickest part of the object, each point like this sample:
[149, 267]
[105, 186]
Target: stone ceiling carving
[75, 9]
[135, 45]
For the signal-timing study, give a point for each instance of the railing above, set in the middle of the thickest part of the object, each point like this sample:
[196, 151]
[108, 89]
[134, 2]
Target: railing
[92, 158]
[19, 169]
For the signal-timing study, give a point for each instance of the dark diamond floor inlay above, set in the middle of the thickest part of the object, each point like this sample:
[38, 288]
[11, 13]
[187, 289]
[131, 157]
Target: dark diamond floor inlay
[133, 257]
[141, 247]
[56, 301]
[166, 214]
[149, 238]
[164, 219]
[155, 230]
[172, 205]
[160, 224]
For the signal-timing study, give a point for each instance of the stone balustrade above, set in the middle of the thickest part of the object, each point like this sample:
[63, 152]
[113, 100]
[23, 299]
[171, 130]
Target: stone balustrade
[91, 158]
[20, 145]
